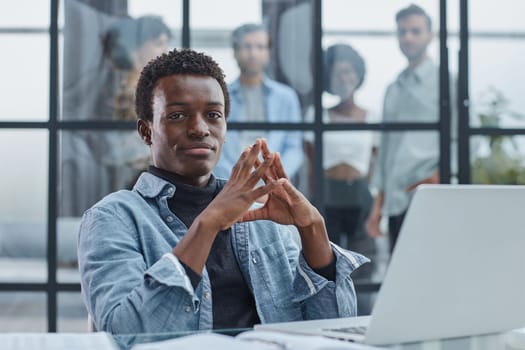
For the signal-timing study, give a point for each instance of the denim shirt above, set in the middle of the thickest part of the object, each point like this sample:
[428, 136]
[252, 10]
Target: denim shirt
[131, 281]
[282, 106]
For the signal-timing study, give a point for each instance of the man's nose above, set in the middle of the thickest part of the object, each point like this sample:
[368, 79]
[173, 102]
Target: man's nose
[197, 126]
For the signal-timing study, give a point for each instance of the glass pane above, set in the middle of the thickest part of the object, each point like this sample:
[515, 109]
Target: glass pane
[25, 13]
[210, 14]
[23, 312]
[67, 233]
[23, 210]
[498, 160]
[495, 89]
[104, 53]
[25, 89]
[72, 314]
[497, 44]
[95, 163]
[482, 18]
[358, 85]
[371, 15]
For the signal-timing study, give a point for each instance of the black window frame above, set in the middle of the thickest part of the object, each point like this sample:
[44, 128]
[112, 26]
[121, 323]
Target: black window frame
[54, 126]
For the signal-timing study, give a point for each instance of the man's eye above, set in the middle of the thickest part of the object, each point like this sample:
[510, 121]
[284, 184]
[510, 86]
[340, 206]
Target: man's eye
[176, 115]
[214, 115]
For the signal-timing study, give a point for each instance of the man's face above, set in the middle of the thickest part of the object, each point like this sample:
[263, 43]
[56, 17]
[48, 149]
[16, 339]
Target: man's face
[253, 53]
[188, 127]
[414, 36]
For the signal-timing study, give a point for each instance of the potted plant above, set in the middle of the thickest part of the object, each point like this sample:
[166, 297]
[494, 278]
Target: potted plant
[499, 159]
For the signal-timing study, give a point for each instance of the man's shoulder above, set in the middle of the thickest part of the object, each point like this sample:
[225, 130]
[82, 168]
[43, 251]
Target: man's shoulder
[116, 200]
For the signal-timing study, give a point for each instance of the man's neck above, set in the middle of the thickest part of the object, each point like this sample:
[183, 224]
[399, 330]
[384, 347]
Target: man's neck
[251, 79]
[413, 63]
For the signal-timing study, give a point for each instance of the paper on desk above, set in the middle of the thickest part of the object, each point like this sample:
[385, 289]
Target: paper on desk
[57, 341]
[203, 341]
[252, 340]
[301, 342]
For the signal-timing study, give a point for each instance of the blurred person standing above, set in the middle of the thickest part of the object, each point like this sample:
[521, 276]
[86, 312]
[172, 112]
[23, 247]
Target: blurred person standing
[347, 155]
[257, 98]
[347, 158]
[129, 45]
[409, 158]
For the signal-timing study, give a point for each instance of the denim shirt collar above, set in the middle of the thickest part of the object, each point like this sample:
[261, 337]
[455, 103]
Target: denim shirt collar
[151, 186]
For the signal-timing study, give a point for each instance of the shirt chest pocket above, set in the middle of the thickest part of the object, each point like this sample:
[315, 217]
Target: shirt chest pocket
[273, 268]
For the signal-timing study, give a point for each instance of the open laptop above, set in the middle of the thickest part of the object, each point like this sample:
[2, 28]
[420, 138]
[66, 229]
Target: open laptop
[456, 271]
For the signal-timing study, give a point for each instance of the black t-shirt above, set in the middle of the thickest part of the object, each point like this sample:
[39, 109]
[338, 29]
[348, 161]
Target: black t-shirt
[233, 302]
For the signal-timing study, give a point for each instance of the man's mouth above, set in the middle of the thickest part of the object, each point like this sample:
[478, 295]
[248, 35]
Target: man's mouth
[200, 149]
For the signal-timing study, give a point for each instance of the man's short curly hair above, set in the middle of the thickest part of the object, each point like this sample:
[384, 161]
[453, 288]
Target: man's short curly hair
[175, 62]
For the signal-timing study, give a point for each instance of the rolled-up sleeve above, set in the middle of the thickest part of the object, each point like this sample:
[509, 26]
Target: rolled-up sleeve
[121, 293]
[321, 298]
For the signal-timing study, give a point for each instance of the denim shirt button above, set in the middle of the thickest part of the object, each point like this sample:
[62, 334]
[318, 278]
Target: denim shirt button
[254, 260]
[169, 218]
[207, 295]
[187, 308]
[170, 190]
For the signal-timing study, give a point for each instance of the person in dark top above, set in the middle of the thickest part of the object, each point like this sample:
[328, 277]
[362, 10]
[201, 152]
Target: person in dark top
[185, 250]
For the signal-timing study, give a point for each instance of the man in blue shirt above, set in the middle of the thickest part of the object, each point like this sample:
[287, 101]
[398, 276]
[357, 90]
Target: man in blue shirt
[257, 98]
[184, 250]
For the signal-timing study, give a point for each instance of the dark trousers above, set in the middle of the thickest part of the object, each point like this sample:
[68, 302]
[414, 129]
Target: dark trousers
[394, 226]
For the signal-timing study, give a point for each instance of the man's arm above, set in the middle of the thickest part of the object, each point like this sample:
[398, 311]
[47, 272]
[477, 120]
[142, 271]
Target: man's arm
[119, 289]
[374, 218]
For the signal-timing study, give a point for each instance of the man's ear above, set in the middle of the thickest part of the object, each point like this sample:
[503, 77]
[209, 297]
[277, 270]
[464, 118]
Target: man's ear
[144, 131]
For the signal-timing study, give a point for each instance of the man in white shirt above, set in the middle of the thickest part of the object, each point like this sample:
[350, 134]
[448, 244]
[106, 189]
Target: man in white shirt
[409, 158]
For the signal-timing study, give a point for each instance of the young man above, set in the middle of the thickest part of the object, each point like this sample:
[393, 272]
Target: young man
[186, 251]
[407, 159]
[257, 98]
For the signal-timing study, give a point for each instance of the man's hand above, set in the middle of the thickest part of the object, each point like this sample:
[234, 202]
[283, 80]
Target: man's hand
[239, 193]
[373, 225]
[432, 179]
[288, 206]
[373, 222]
[285, 204]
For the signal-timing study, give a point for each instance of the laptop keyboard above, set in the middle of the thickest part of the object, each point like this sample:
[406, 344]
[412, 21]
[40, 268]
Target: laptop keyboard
[352, 330]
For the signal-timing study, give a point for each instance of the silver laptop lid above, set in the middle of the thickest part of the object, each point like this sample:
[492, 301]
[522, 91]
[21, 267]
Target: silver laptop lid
[456, 267]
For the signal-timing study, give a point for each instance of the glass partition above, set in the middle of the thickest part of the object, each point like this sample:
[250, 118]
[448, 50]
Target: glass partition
[25, 77]
[22, 312]
[72, 314]
[23, 209]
